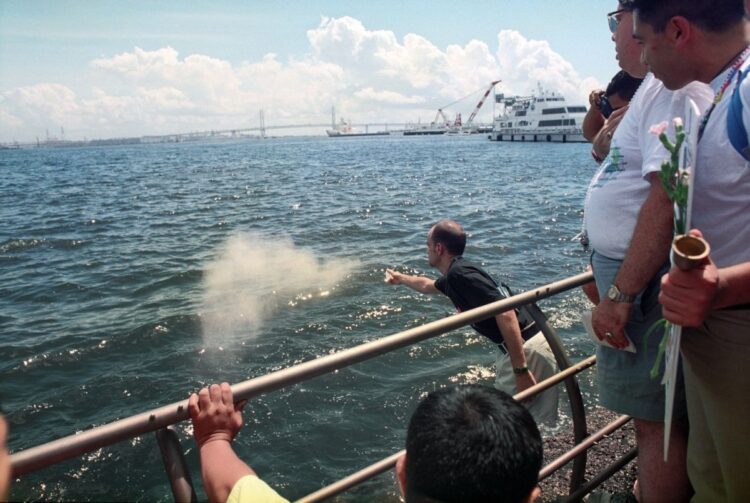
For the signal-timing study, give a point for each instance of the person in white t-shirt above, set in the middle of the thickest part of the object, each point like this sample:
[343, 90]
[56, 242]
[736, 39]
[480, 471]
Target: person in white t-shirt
[704, 40]
[628, 220]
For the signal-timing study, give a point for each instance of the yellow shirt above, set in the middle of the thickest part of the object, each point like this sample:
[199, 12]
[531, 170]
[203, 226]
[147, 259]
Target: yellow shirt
[250, 489]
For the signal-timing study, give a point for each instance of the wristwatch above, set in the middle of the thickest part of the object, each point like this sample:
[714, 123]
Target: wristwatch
[615, 295]
[520, 370]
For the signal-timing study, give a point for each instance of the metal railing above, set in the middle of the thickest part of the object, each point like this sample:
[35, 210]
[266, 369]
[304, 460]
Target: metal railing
[389, 462]
[159, 419]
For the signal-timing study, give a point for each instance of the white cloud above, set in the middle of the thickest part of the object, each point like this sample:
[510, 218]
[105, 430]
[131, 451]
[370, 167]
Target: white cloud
[369, 75]
[387, 97]
[525, 63]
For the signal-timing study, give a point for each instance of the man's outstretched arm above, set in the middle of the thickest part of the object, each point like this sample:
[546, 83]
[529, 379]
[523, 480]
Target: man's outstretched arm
[421, 284]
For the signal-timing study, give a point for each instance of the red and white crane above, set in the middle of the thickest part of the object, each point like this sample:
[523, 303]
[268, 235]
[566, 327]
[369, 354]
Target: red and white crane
[457, 123]
[481, 102]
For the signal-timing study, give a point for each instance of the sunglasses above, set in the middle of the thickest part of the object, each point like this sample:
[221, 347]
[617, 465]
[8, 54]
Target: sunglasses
[613, 20]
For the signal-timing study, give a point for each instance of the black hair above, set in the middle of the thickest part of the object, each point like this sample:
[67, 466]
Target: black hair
[451, 235]
[624, 85]
[471, 443]
[709, 15]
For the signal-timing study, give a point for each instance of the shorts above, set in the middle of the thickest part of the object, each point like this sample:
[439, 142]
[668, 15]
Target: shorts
[623, 379]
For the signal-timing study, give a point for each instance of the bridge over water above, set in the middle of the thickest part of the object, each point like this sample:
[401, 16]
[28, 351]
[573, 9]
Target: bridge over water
[262, 129]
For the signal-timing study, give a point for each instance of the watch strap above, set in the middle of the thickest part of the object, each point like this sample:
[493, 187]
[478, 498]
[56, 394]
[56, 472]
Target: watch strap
[615, 295]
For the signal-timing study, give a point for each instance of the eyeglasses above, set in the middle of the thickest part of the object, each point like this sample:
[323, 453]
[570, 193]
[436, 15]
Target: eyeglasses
[613, 20]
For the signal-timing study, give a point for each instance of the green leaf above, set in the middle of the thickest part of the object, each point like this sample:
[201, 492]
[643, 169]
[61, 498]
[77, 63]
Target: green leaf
[662, 349]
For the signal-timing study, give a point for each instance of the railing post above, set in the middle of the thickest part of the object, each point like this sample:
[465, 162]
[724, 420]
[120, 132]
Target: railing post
[577, 410]
[602, 476]
[174, 463]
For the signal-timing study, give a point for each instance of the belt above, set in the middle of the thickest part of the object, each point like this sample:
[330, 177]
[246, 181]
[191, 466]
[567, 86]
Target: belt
[526, 334]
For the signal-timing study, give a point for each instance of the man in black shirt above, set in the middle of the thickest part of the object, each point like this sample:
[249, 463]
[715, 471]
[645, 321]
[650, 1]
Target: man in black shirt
[519, 363]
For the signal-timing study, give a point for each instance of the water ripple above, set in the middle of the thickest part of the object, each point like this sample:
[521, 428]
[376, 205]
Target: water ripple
[104, 252]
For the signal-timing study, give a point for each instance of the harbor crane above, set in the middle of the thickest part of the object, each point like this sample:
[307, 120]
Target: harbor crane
[481, 102]
[440, 114]
[457, 123]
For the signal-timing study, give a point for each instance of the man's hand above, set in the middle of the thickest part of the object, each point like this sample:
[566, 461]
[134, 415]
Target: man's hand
[525, 381]
[609, 319]
[614, 119]
[688, 296]
[601, 141]
[595, 96]
[393, 277]
[610, 125]
[214, 414]
[421, 284]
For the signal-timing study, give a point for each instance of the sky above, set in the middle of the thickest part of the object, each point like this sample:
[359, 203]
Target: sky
[106, 69]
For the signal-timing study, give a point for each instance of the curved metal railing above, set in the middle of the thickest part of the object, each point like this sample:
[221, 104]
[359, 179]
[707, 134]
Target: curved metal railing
[160, 419]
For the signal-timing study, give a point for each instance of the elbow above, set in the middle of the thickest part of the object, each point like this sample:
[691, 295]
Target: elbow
[217, 491]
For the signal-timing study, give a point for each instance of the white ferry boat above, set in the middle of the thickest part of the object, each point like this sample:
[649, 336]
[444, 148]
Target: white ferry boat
[544, 117]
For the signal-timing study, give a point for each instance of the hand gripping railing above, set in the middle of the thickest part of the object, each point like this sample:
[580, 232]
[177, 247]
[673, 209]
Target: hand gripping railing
[64, 448]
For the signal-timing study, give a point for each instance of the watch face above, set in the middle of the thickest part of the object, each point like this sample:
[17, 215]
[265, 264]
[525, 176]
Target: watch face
[612, 293]
[616, 295]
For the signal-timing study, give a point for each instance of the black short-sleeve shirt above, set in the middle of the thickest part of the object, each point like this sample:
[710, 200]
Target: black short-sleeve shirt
[469, 286]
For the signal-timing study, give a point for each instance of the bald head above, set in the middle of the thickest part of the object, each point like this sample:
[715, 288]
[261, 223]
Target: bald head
[450, 234]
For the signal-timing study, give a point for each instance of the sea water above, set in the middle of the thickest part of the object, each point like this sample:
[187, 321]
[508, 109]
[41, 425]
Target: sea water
[131, 276]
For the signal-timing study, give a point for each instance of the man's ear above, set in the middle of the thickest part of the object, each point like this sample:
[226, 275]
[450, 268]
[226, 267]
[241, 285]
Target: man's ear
[533, 495]
[401, 473]
[679, 31]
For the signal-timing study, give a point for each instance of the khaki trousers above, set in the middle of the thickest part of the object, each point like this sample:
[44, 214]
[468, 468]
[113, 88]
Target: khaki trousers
[541, 363]
[716, 360]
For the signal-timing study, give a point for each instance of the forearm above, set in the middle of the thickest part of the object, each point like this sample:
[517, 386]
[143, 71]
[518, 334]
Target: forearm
[650, 244]
[734, 286]
[592, 123]
[421, 284]
[601, 143]
[221, 469]
[509, 329]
